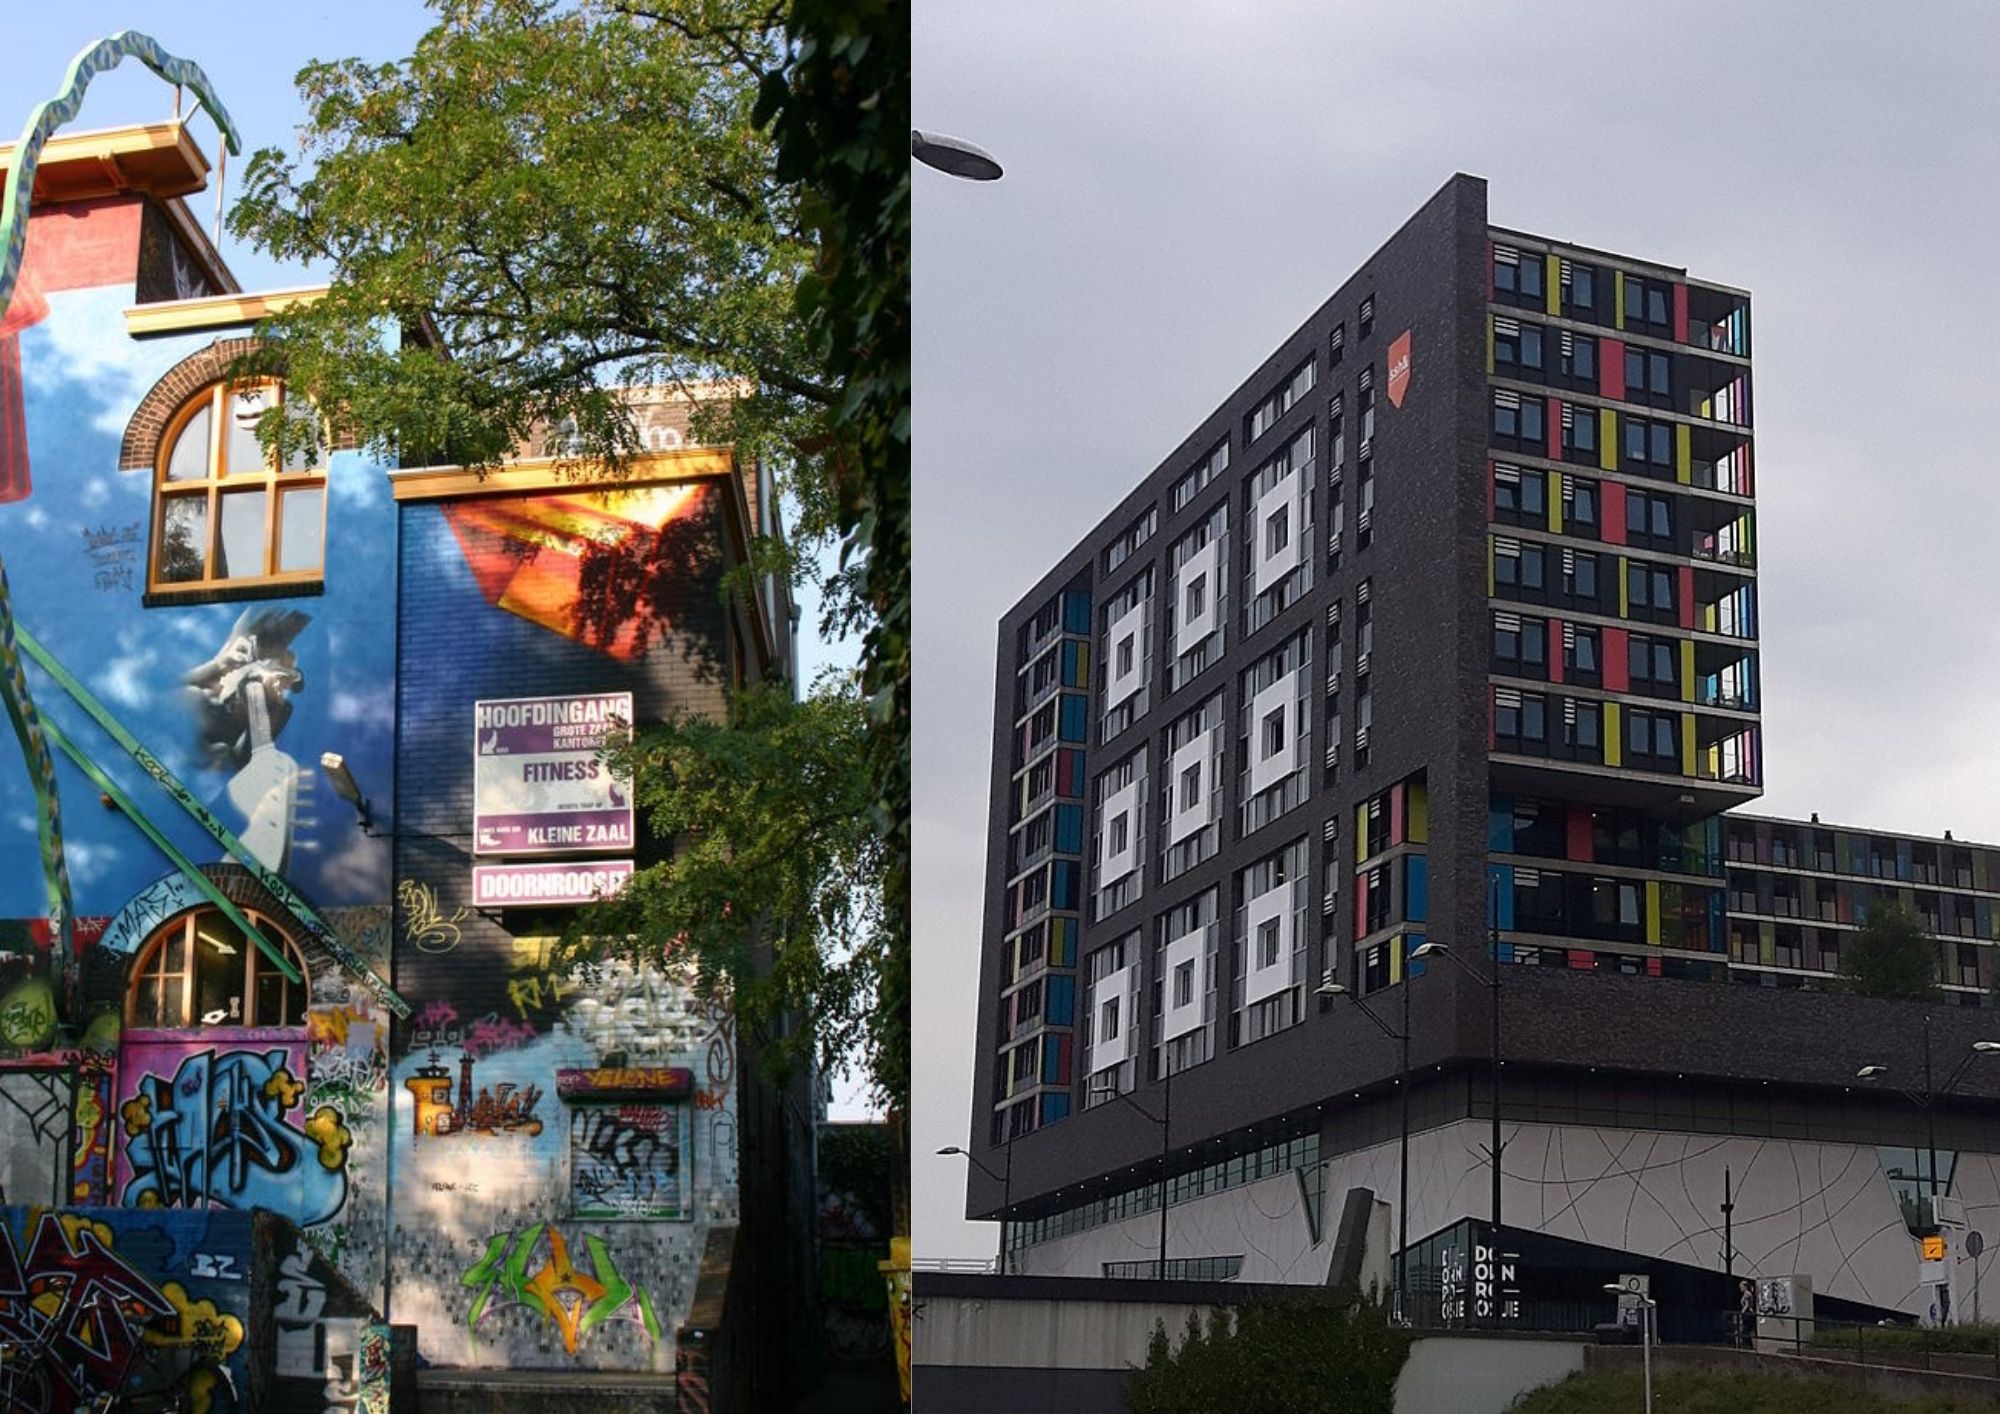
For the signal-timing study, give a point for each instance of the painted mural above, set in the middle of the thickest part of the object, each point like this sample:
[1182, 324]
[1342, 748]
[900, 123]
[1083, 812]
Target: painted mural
[237, 701]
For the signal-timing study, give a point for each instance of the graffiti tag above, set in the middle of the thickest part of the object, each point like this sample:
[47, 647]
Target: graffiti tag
[424, 923]
[575, 1300]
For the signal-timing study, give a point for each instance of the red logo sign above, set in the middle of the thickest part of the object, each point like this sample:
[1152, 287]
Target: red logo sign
[1399, 368]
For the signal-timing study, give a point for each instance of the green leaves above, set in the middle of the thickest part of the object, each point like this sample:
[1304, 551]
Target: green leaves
[1316, 1353]
[1889, 956]
[771, 884]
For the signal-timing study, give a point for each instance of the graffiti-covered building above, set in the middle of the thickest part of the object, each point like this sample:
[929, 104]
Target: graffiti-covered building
[324, 733]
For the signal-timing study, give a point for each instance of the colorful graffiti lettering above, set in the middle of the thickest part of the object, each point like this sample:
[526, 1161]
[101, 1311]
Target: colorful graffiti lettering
[503, 1109]
[78, 1302]
[574, 1300]
[28, 1014]
[494, 1033]
[424, 923]
[647, 1082]
[218, 1134]
[625, 1161]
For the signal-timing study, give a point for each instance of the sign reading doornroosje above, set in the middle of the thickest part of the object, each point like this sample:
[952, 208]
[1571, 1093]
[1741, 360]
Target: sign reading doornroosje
[539, 785]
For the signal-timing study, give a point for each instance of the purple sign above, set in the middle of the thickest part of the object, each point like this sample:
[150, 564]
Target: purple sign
[538, 783]
[531, 885]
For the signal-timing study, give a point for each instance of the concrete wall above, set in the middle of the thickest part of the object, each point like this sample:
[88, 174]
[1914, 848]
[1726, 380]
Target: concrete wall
[1821, 1208]
[1468, 1375]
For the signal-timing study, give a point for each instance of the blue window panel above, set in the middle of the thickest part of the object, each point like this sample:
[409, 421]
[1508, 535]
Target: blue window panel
[1069, 829]
[1413, 966]
[1062, 884]
[1500, 824]
[1074, 722]
[1061, 1006]
[1417, 889]
[1054, 1107]
[1076, 613]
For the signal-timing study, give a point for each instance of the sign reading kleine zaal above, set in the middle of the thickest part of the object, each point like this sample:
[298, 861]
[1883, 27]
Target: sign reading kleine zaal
[539, 785]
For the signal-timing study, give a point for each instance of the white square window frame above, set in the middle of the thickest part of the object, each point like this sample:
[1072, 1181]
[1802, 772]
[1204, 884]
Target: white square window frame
[1178, 1021]
[1111, 867]
[1263, 983]
[1183, 823]
[1267, 771]
[1272, 567]
[1192, 629]
[1118, 687]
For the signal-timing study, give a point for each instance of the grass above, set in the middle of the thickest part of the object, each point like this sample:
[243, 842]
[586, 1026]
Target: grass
[1966, 1339]
[1620, 1392]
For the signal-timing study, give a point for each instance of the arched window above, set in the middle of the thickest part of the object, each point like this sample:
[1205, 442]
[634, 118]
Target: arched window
[199, 970]
[226, 514]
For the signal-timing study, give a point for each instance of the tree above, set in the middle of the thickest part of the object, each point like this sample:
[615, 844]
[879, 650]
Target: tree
[1889, 955]
[769, 801]
[1324, 1353]
[839, 113]
[574, 195]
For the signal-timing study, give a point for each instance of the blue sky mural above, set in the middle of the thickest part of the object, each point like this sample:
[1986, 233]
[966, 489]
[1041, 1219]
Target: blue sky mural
[75, 551]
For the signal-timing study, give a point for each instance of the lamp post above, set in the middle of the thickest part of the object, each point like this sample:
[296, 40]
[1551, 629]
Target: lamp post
[1164, 1120]
[1491, 981]
[1926, 1099]
[1006, 1189]
[1331, 988]
[954, 156]
[1647, 1306]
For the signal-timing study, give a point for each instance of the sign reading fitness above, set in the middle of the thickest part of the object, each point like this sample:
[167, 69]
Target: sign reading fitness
[538, 785]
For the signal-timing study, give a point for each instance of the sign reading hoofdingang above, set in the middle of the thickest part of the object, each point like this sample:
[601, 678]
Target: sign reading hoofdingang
[538, 783]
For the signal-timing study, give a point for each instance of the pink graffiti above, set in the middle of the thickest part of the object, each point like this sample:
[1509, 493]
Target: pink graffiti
[436, 1016]
[495, 1033]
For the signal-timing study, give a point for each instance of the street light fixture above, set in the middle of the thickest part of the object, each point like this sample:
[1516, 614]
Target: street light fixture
[954, 156]
[1006, 1182]
[1490, 981]
[1329, 988]
[1926, 1099]
[1647, 1307]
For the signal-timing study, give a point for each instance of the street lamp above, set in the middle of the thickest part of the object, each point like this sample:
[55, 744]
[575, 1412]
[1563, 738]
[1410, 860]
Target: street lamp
[1163, 1120]
[1647, 1306]
[1491, 981]
[1927, 1098]
[1006, 1181]
[953, 156]
[1330, 988]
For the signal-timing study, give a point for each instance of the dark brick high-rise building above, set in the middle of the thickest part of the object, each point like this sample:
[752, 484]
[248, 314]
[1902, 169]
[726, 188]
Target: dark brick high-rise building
[1442, 628]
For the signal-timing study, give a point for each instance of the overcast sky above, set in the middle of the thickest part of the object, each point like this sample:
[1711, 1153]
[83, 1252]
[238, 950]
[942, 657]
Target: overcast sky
[1186, 182]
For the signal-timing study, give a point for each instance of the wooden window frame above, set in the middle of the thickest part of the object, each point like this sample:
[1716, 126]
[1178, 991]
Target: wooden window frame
[272, 482]
[151, 965]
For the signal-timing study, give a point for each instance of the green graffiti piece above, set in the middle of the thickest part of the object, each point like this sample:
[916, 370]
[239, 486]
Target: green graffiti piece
[183, 797]
[272, 952]
[482, 1276]
[14, 210]
[617, 1290]
[646, 1314]
[28, 1015]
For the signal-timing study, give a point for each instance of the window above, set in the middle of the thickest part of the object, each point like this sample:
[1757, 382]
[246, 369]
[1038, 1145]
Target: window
[1205, 471]
[1337, 345]
[224, 512]
[1268, 933]
[1579, 358]
[1649, 443]
[1367, 324]
[1107, 1023]
[1277, 531]
[1649, 515]
[1652, 734]
[1519, 491]
[1121, 833]
[1517, 346]
[1649, 587]
[1190, 788]
[1517, 275]
[1582, 727]
[1197, 597]
[1184, 985]
[1125, 655]
[1653, 660]
[1580, 432]
[1580, 502]
[1140, 531]
[1522, 567]
[1265, 414]
[1579, 289]
[200, 970]
[1520, 646]
[1580, 570]
[1645, 303]
[1580, 650]
[1649, 375]
[1517, 417]
[1274, 734]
